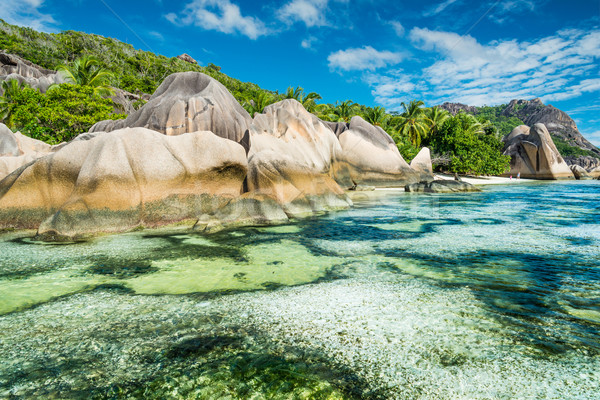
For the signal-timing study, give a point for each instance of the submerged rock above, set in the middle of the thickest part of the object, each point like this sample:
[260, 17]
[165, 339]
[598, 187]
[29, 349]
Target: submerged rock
[534, 155]
[187, 102]
[112, 183]
[441, 186]
[370, 157]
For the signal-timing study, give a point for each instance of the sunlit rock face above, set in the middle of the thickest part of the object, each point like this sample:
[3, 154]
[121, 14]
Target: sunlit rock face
[370, 157]
[534, 155]
[17, 150]
[292, 160]
[119, 180]
[422, 162]
[187, 102]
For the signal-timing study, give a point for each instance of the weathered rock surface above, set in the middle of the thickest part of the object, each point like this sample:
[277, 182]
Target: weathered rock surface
[17, 150]
[369, 157]
[187, 58]
[119, 180]
[580, 173]
[586, 162]
[292, 160]
[455, 108]
[188, 102]
[534, 155]
[441, 186]
[422, 161]
[15, 67]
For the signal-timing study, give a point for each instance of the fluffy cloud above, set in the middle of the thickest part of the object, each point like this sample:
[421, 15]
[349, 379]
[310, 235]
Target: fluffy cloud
[219, 15]
[439, 8]
[366, 58]
[27, 13]
[554, 68]
[311, 12]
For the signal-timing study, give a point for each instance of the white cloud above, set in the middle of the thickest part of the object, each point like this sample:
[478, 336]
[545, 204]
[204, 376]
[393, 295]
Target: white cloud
[366, 58]
[559, 67]
[439, 8]
[308, 42]
[398, 28]
[27, 13]
[219, 15]
[311, 12]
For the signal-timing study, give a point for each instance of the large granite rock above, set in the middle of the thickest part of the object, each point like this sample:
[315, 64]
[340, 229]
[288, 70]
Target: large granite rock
[580, 173]
[292, 160]
[17, 150]
[586, 162]
[441, 186]
[187, 58]
[120, 180]
[370, 157]
[534, 155]
[17, 68]
[188, 102]
[422, 162]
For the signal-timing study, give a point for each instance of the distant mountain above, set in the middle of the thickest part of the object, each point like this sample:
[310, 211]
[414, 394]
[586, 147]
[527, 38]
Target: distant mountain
[561, 127]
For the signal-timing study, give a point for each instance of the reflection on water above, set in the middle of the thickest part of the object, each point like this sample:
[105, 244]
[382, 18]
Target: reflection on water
[481, 295]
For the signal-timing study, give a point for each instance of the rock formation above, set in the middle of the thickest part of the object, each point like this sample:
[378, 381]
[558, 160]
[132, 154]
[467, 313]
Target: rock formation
[580, 173]
[422, 162]
[293, 159]
[441, 186]
[17, 150]
[187, 58]
[15, 67]
[370, 157]
[534, 155]
[192, 153]
[119, 180]
[187, 102]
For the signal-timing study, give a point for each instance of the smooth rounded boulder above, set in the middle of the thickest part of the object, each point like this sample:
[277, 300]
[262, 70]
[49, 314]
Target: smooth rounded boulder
[187, 102]
[370, 157]
[534, 155]
[292, 160]
[120, 180]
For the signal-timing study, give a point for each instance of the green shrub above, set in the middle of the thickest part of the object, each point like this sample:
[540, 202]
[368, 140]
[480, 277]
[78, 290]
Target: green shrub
[61, 114]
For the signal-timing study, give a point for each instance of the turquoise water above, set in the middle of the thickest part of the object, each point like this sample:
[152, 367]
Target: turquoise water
[491, 295]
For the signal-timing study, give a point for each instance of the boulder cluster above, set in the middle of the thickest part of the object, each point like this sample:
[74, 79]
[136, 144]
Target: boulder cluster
[193, 155]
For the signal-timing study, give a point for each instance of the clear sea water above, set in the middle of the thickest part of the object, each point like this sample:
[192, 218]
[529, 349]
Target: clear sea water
[491, 295]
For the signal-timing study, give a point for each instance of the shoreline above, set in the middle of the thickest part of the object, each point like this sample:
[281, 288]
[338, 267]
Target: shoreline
[486, 180]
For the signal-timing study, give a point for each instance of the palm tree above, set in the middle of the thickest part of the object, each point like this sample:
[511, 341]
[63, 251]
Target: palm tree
[435, 117]
[258, 103]
[86, 71]
[413, 123]
[376, 116]
[309, 101]
[295, 94]
[10, 90]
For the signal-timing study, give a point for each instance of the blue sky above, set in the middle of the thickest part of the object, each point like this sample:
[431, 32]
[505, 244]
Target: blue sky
[372, 52]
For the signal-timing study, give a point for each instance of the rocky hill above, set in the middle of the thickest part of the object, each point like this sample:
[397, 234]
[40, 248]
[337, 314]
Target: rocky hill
[562, 128]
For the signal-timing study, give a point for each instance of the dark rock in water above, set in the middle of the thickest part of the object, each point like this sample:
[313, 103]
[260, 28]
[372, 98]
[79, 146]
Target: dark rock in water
[441, 186]
[187, 58]
[534, 155]
[187, 102]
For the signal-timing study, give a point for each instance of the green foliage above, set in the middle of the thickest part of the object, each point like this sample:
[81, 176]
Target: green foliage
[86, 71]
[567, 150]
[470, 149]
[61, 114]
[413, 122]
[11, 90]
[133, 70]
[258, 103]
[503, 123]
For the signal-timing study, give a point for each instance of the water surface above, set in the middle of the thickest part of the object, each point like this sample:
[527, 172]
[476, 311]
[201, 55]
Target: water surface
[491, 295]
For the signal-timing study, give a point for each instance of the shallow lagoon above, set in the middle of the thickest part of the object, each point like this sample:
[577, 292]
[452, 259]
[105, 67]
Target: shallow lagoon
[492, 295]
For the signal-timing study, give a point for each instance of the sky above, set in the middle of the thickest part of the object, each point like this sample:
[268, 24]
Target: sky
[377, 53]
